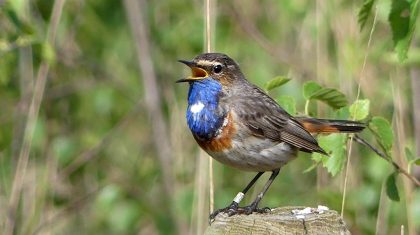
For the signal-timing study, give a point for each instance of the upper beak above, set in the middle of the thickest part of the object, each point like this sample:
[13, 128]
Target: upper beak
[197, 73]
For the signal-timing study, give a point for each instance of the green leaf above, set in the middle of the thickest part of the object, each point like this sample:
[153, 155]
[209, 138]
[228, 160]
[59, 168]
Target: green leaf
[391, 187]
[276, 82]
[410, 158]
[317, 157]
[402, 19]
[288, 103]
[330, 96]
[364, 13]
[414, 161]
[309, 88]
[382, 131]
[343, 113]
[408, 154]
[359, 110]
[335, 146]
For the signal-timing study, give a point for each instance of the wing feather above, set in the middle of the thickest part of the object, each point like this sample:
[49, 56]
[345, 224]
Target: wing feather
[266, 119]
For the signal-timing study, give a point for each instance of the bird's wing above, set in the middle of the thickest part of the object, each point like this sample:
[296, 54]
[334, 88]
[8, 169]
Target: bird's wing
[266, 119]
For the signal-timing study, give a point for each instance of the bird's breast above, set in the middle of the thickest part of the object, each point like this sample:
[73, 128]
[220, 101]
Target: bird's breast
[222, 140]
[204, 115]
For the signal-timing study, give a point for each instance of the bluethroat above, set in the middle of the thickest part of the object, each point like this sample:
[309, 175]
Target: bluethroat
[239, 125]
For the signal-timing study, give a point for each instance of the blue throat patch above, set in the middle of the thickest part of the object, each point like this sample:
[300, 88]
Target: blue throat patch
[203, 116]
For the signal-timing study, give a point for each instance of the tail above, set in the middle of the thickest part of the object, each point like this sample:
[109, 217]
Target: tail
[314, 125]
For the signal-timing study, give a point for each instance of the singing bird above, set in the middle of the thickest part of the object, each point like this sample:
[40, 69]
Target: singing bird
[239, 125]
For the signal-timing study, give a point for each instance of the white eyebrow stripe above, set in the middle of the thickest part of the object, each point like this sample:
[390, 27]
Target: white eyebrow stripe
[206, 62]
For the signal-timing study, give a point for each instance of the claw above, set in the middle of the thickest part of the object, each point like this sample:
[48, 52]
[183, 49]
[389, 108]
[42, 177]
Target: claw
[230, 210]
[234, 209]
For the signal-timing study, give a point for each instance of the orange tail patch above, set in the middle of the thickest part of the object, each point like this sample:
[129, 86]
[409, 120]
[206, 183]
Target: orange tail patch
[314, 125]
[319, 128]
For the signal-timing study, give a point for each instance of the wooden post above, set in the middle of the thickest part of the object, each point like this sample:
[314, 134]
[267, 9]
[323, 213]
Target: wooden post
[282, 221]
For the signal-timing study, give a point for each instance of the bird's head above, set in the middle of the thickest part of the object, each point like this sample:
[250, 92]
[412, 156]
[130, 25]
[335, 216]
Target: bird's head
[216, 66]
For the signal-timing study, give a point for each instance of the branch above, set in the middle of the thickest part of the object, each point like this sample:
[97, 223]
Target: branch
[397, 167]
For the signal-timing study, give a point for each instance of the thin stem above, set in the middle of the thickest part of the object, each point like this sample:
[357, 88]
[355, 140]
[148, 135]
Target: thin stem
[36, 100]
[354, 117]
[307, 108]
[208, 40]
[382, 155]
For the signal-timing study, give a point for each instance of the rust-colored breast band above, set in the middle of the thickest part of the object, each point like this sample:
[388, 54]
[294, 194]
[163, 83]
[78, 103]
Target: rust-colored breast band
[222, 141]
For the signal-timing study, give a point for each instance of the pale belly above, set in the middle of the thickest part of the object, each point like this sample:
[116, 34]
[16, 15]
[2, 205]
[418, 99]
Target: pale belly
[255, 154]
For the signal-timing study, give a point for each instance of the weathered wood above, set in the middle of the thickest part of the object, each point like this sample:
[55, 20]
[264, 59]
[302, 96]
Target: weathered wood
[283, 221]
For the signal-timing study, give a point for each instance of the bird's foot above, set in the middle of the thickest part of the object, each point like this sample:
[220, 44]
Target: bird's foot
[247, 210]
[234, 209]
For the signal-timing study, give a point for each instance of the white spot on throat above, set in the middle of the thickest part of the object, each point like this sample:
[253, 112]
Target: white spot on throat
[197, 107]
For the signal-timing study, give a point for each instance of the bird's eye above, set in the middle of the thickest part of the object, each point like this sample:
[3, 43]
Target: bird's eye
[217, 68]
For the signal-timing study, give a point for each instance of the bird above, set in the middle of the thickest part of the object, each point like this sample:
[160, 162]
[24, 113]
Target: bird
[241, 126]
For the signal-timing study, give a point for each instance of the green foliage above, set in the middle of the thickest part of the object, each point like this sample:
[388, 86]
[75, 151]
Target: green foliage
[93, 158]
[364, 13]
[310, 88]
[415, 162]
[330, 96]
[359, 110]
[288, 103]
[381, 128]
[391, 187]
[399, 19]
[411, 159]
[276, 82]
[402, 20]
[408, 154]
[335, 146]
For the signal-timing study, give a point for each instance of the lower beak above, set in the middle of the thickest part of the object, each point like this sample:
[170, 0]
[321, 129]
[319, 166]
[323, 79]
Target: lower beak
[197, 73]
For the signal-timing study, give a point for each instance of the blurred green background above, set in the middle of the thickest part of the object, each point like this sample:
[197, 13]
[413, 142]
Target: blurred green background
[111, 152]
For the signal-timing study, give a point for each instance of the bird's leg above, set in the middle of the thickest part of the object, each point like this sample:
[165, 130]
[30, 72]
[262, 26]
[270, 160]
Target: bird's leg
[233, 207]
[254, 205]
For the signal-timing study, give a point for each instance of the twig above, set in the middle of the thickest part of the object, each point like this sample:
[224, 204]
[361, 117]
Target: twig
[357, 98]
[30, 123]
[382, 155]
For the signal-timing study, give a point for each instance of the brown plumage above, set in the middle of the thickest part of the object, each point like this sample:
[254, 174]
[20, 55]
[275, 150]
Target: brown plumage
[239, 125]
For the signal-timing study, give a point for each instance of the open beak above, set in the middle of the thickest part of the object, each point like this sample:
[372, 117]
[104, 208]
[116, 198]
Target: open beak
[197, 73]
